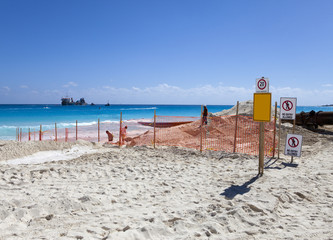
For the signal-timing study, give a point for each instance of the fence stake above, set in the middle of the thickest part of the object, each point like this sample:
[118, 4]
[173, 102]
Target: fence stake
[279, 136]
[201, 130]
[154, 127]
[235, 138]
[76, 131]
[29, 135]
[98, 134]
[121, 117]
[21, 135]
[56, 132]
[40, 133]
[66, 134]
[275, 116]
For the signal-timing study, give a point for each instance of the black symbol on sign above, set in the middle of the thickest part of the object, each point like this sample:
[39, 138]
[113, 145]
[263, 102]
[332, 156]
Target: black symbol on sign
[287, 105]
[293, 142]
[262, 84]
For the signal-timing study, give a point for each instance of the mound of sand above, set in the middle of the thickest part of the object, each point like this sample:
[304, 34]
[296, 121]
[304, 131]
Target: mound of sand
[244, 108]
[218, 134]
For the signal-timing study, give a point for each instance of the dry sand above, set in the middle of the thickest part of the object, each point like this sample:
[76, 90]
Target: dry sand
[167, 193]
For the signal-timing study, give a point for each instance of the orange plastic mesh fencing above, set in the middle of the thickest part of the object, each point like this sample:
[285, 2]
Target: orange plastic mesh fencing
[169, 131]
[82, 132]
[71, 134]
[178, 131]
[248, 136]
[218, 134]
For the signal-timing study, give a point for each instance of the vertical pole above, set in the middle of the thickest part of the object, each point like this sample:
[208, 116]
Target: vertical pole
[201, 130]
[76, 131]
[294, 123]
[154, 128]
[29, 135]
[279, 137]
[16, 134]
[275, 113]
[40, 133]
[98, 134]
[20, 134]
[66, 134]
[235, 136]
[56, 132]
[261, 147]
[34, 135]
[121, 119]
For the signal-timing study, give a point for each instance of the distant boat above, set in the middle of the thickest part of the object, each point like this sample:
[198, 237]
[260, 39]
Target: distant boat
[108, 104]
[65, 101]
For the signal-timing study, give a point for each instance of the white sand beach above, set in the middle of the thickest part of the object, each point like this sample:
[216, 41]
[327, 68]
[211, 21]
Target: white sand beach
[107, 192]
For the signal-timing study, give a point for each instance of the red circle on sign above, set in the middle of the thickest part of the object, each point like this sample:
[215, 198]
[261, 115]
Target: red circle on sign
[293, 142]
[262, 84]
[287, 105]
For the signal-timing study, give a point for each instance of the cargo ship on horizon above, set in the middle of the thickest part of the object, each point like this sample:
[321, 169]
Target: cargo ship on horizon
[65, 101]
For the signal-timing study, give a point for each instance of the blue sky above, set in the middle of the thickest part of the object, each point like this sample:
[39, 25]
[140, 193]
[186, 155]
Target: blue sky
[165, 51]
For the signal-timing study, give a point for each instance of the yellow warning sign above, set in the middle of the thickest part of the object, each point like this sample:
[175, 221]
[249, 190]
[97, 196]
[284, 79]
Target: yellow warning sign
[262, 103]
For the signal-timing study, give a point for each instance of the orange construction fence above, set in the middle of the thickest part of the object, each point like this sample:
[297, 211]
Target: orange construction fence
[234, 133]
[219, 134]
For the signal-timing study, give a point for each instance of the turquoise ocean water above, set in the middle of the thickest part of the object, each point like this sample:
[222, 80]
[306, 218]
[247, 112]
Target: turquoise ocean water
[32, 116]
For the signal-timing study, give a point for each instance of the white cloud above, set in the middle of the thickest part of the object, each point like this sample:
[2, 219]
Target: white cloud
[70, 84]
[327, 85]
[305, 97]
[7, 89]
[169, 94]
[204, 94]
[23, 86]
[53, 92]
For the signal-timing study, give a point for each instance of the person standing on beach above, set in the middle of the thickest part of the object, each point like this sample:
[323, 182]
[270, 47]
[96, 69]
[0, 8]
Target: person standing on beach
[204, 115]
[123, 135]
[110, 136]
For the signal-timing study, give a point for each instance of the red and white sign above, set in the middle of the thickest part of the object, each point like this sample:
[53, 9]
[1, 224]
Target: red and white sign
[262, 85]
[288, 108]
[293, 145]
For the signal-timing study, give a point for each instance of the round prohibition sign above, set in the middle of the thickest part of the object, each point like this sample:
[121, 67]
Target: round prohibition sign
[293, 142]
[287, 105]
[262, 84]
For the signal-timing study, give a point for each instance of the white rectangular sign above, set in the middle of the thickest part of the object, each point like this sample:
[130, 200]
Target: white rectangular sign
[293, 145]
[288, 108]
[262, 85]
